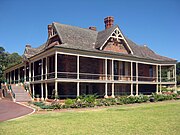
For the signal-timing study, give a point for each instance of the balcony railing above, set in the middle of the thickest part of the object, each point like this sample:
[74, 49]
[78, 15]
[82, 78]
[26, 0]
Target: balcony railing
[167, 79]
[70, 75]
[90, 76]
[147, 79]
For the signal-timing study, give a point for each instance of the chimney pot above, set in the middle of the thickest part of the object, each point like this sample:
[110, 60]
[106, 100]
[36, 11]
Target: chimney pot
[92, 28]
[28, 45]
[109, 21]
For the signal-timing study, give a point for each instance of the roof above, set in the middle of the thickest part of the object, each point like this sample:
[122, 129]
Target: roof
[85, 39]
[29, 51]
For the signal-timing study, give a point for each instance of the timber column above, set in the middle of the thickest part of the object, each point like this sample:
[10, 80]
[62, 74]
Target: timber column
[137, 88]
[112, 70]
[56, 83]
[105, 67]
[78, 75]
[131, 79]
[157, 87]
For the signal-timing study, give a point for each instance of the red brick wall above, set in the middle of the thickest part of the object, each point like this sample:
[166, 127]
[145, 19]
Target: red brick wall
[143, 70]
[67, 63]
[115, 47]
[90, 65]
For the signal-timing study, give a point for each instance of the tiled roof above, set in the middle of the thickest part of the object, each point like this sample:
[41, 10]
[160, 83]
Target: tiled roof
[86, 39]
[83, 38]
[29, 51]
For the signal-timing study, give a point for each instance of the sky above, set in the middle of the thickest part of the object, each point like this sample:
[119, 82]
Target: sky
[155, 23]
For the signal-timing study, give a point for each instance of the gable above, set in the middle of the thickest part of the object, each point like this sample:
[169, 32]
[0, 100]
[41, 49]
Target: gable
[116, 43]
[116, 46]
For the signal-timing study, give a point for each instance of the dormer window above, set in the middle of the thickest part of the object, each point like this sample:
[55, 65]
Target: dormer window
[51, 31]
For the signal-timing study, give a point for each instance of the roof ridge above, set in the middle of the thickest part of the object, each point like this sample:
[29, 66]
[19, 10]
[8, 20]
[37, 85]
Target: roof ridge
[75, 26]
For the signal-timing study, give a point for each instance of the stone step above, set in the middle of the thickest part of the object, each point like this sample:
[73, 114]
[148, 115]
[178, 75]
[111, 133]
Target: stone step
[20, 94]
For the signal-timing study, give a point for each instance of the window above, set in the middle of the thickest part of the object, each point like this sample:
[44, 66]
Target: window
[150, 71]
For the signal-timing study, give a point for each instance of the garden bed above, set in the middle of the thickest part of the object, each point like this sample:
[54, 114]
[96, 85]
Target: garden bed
[91, 101]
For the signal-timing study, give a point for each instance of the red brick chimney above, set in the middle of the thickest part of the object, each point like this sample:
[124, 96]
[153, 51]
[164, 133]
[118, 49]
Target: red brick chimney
[92, 28]
[50, 30]
[109, 21]
[28, 45]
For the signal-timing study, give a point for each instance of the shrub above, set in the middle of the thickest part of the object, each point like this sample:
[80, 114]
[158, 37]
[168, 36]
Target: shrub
[178, 92]
[39, 104]
[142, 98]
[88, 98]
[42, 105]
[127, 100]
[162, 97]
[69, 102]
[56, 105]
[111, 101]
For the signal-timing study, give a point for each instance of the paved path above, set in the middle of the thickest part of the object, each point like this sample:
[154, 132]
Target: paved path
[10, 110]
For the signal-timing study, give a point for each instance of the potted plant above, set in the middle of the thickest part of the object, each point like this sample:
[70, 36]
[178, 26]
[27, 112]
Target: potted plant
[37, 97]
[151, 99]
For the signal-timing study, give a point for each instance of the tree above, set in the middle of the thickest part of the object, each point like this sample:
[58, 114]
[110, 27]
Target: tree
[13, 59]
[2, 62]
[7, 60]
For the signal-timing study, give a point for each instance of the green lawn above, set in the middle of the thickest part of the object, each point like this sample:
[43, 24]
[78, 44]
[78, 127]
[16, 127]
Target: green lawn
[162, 118]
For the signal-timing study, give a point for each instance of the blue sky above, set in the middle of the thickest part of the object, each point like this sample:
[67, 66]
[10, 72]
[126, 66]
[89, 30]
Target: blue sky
[155, 23]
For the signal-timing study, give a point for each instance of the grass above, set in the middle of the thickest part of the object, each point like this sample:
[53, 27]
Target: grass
[162, 118]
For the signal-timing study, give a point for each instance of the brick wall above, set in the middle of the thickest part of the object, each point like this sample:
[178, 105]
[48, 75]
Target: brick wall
[115, 47]
[67, 63]
[143, 70]
[90, 65]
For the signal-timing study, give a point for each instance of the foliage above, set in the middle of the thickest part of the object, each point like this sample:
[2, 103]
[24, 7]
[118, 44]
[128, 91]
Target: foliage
[162, 97]
[69, 102]
[7, 60]
[178, 92]
[43, 105]
[88, 98]
[92, 101]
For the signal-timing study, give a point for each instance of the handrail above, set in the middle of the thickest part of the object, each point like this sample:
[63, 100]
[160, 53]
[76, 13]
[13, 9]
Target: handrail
[73, 75]
[13, 94]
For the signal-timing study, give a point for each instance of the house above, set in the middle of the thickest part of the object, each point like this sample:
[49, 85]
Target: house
[76, 61]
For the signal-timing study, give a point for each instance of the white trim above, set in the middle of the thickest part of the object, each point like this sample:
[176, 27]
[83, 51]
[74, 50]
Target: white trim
[120, 33]
[24, 73]
[46, 93]
[56, 64]
[157, 88]
[77, 89]
[106, 64]
[46, 68]
[42, 94]
[42, 69]
[110, 58]
[29, 72]
[137, 89]
[56, 88]
[77, 66]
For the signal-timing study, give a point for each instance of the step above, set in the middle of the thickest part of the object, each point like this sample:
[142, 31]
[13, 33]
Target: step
[20, 94]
